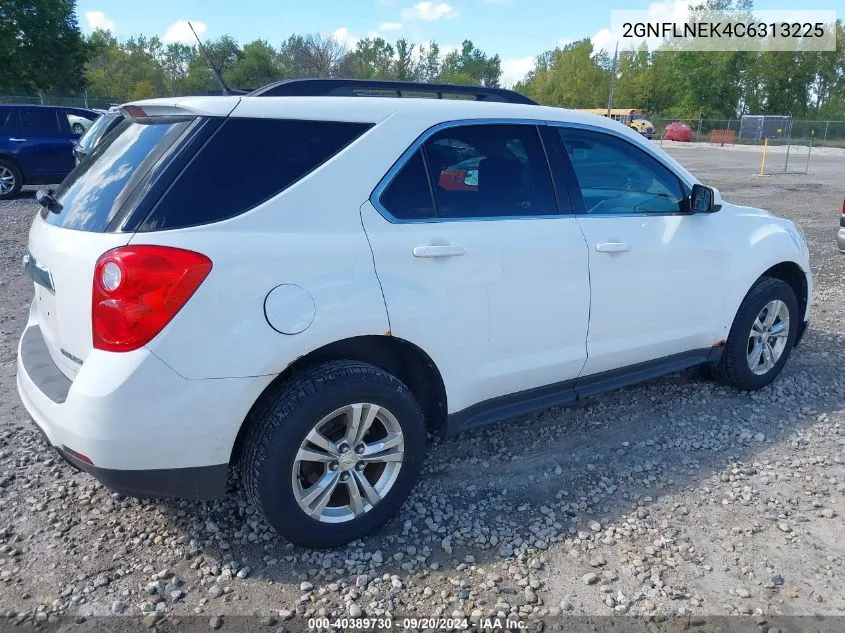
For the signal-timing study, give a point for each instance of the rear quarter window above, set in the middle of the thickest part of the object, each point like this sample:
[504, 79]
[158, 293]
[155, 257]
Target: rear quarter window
[245, 163]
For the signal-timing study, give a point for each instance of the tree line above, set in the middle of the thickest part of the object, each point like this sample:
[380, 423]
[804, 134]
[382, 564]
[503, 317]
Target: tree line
[42, 51]
[141, 67]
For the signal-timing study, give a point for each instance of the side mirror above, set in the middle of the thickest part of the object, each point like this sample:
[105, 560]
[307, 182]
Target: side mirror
[702, 200]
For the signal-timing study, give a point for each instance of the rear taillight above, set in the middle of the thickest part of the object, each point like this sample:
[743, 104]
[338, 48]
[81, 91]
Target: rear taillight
[138, 290]
[843, 207]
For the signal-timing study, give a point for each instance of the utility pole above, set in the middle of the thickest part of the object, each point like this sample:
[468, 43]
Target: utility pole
[612, 80]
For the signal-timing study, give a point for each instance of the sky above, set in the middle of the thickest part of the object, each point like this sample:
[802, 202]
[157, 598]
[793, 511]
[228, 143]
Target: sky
[518, 30]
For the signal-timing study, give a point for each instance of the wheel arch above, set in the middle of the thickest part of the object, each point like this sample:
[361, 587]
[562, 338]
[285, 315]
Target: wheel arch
[792, 274]
[398, 357]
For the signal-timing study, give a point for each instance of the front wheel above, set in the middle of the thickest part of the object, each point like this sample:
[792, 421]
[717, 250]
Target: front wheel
[331, 454]
[761, 337]
[78, 128]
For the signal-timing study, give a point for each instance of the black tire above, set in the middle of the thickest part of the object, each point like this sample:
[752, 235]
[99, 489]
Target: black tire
[733, 367]
[287, 412]
[78, 128]
[12, 168]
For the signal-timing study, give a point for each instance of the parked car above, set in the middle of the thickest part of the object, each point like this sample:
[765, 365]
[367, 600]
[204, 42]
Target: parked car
[79, 124]
[677, 131]
[311, 309]
[104, 124]
[840, 237]
[36, 144]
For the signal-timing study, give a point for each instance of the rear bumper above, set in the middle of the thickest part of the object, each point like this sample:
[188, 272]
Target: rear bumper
[840, 239]
[146, 430]
[199, 483]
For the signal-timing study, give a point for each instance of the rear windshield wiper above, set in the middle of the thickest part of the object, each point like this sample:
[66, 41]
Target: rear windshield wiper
[45, 198]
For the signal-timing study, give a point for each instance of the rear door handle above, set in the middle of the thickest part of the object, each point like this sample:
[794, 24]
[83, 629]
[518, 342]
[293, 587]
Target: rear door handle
[17, 140]
[446, 250]
[612, 247]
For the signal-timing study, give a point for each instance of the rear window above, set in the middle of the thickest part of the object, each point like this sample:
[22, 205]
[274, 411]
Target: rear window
[93, 192]
[97, 130]
[246, 162]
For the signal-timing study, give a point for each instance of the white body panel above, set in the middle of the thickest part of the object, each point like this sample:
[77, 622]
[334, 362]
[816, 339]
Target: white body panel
[508, 315]
[130, 411]
[65, 315]
[529, 304]
[661, 293]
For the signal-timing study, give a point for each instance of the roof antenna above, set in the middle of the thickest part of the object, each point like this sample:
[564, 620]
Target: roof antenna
[226, 89]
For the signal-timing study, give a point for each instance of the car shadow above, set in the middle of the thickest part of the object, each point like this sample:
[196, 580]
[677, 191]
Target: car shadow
[611, 455]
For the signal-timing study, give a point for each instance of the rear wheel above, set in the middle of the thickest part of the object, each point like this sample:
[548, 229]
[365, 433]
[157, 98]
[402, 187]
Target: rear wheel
[11, 179]
[78, 128]
[331, 454]
[761, 337]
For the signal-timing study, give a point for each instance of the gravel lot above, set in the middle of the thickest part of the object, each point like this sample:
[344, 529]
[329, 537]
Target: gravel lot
[677, 497]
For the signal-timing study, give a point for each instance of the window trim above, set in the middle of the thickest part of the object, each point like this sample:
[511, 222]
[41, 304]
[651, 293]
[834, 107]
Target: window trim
[575, 188]
[387, 179]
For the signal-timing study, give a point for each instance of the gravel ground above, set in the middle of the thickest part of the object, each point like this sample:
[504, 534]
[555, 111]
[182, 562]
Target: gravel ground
[677, 497]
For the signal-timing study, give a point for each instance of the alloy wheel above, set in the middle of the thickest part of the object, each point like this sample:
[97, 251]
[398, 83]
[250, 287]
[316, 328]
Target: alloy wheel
[768, 337]
[348, 462]
[7, 180]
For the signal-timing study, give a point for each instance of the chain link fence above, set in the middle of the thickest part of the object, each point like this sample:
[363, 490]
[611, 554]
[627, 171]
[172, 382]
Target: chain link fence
[823, 133]
[102, 103]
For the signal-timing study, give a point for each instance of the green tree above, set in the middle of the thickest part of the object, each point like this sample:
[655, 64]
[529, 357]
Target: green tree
[572, 77]
[257, 66]
[470, 65]
[41, 47]
[405, 68]
[373, 59]
[428, 69]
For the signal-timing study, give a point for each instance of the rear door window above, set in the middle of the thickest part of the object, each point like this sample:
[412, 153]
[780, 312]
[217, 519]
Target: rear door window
[489, 171]
[245, 163]
[94, 192]
[39, 122]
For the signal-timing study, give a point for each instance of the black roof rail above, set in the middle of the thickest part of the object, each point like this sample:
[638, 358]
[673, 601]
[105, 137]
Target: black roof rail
[383, 88]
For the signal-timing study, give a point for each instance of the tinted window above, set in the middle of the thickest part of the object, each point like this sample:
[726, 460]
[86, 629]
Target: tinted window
[408, 196]
[39, 122]
[93, 192]
[489, 171]
[245, 163]
[616, 177]
[98, 129]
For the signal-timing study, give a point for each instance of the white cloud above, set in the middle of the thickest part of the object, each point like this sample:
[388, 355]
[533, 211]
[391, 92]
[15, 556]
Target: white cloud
[605, 40]
[676, 11]
[390, 26]
[429, 11]
[181, 32]
[98, 20]
[343, 35]
[515, 69]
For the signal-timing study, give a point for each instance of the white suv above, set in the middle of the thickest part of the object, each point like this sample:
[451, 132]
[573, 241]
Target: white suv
[306, 286]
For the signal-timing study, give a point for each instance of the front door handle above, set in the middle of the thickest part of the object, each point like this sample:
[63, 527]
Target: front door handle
[612, 247]
[445, 250]
[17, 140]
